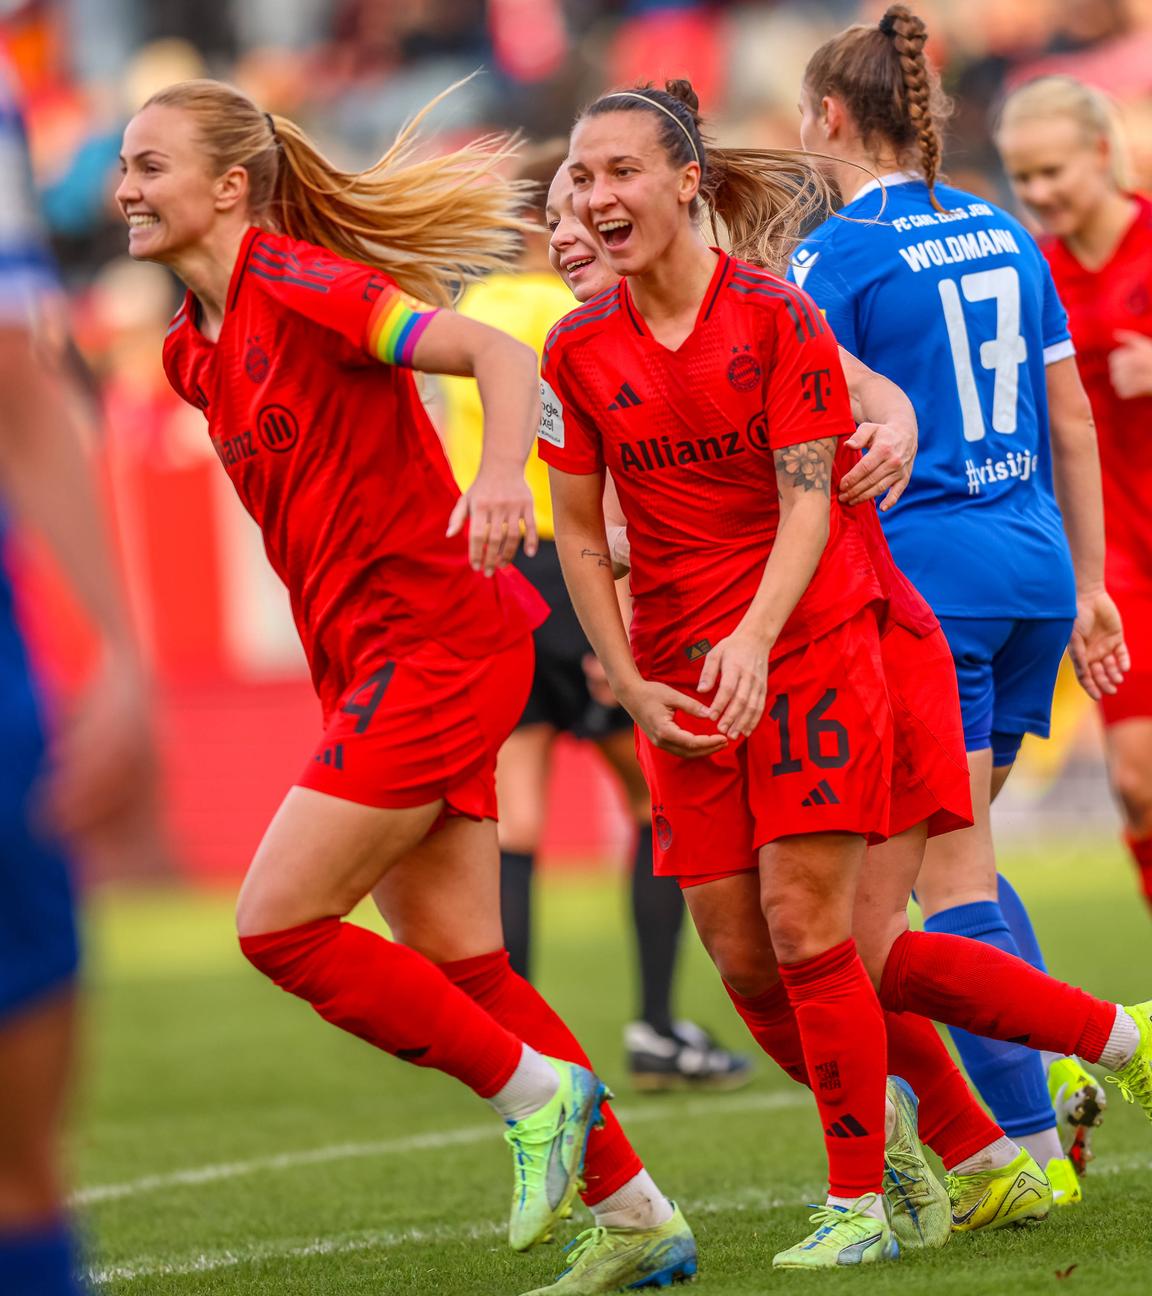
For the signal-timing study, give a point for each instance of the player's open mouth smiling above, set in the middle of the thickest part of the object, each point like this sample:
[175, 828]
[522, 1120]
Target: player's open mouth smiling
[573, 267]
[614, 232]
[142, 220]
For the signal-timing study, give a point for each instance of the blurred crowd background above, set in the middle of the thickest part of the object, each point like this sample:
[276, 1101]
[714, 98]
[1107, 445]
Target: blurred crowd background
[351, 72]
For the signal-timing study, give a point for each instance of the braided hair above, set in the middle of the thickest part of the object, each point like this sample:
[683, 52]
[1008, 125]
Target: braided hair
[764, 199]
[891, 90]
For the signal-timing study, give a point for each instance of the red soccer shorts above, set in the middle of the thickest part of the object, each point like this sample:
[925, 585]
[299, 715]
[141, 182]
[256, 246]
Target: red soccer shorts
[1133, 701]
[930, 769]
[820, 760]
[424, 727]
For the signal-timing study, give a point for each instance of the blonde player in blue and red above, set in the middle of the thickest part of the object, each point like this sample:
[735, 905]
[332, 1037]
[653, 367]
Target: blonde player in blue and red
[1065, 159]
[297, 339]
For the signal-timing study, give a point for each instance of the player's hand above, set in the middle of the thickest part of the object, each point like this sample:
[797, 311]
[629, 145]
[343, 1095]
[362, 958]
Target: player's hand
[739, 666]
[886, 467]
[653, 706]
[1097, 648]
[597, 679]
[1130, 365]
[102, 768]
[619, 550]
[496, 505]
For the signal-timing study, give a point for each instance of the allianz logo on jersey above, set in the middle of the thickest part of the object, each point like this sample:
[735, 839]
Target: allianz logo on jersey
[1018, 465]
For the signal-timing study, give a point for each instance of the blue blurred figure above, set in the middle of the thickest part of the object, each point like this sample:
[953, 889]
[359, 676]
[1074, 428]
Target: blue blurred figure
[92, 772]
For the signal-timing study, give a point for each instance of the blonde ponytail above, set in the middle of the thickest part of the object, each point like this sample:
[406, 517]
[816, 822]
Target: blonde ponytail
[433, 224]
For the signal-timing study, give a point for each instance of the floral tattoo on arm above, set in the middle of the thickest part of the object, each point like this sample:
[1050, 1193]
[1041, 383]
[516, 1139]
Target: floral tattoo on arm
[807, 466]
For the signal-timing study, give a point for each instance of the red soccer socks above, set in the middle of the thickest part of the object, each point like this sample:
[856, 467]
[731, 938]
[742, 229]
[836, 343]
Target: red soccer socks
[488, 979]
[390, 996]
[952, 1122]
[772, 1024]
[966, 983]
[841, 1029]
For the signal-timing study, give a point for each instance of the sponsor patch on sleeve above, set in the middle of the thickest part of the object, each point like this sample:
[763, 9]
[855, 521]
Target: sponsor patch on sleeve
[551, 416]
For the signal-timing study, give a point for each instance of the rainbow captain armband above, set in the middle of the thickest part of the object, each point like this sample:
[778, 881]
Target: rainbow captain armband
[395, 326]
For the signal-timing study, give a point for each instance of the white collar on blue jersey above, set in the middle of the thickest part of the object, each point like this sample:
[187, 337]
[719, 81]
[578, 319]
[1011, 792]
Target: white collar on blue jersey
[887, 181]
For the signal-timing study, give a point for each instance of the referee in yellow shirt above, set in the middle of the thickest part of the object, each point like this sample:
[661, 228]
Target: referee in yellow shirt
[662, 1053]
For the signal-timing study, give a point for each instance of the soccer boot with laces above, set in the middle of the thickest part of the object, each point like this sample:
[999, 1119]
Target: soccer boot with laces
[844, 1235]
[1134, 1078]
[548, 1154]
[614, 1259]
[1078, 1099]
[917, 1201]
[1017, 1193]
[1065, 1181]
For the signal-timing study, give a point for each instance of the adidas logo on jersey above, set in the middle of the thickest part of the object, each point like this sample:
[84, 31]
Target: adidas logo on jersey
[626, 398]
[802, 264]
[821, 794]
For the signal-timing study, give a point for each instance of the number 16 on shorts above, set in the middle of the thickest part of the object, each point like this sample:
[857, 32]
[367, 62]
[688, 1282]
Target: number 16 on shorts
[821, 758]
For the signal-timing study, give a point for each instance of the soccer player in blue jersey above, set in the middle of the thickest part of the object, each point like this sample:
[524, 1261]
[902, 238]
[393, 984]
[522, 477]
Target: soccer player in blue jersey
[94, 773]
[1001, 528]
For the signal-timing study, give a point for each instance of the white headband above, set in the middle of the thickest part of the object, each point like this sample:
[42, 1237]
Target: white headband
[654, 103]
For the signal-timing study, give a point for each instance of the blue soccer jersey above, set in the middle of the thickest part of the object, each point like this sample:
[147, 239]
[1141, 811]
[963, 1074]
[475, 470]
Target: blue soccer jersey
[959, 309]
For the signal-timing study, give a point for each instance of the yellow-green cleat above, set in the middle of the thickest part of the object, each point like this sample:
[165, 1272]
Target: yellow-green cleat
[548, 1154]
[1078, 1099]
[1134, 1078]
[610, 1259]
[1061, 1174]
[844, 1235]
[1017, 1193]
[917, 1201]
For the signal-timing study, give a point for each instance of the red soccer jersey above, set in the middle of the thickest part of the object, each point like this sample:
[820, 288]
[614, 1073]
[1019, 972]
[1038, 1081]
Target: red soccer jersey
[1117, 296]
[905, 604]
[331, 452]
[689, 437]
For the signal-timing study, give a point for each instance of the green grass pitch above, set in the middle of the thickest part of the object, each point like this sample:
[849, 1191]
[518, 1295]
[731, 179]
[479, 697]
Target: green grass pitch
[229, 1142]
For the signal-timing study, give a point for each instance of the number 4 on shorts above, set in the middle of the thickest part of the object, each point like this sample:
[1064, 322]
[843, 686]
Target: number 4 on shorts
[375, 686]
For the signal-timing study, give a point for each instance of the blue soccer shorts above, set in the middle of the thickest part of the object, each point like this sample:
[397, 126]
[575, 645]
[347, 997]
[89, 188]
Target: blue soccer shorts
[1006, 670]
[38, 940]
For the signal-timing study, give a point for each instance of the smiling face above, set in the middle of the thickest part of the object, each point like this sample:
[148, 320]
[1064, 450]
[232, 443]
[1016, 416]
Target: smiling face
[1058, 171]
[572, 250]
[166, 193]
[627, 190]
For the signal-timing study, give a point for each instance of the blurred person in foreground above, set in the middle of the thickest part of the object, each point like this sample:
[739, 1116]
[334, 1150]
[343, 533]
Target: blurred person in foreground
[81, 785]
[569, 696]
[1065, 159]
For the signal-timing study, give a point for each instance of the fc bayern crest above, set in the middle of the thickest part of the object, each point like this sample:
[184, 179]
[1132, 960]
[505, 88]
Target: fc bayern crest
[663, 831]
[744, 371]
[256, 362]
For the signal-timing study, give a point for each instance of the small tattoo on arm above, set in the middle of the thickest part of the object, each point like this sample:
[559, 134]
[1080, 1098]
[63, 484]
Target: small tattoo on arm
[807, 466]
[602, 560]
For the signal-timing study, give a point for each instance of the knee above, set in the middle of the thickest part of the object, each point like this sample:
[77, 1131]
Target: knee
[803, 926]
[749, 971]
[1132, 783]
[520, 826]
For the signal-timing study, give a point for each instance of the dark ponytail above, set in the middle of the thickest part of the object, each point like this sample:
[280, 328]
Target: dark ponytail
[889, 87]
[765, 199]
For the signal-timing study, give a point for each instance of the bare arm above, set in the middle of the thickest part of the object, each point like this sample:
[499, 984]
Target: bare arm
[498, 502]
[739, 663]
[1097, 646]
[103, 756]
[582, 544]
[887, 430]
[616, 527]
